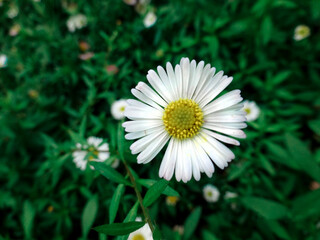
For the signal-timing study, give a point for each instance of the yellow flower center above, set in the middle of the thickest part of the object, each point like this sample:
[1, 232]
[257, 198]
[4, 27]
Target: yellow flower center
[247, 110]
[209, 194]
[93, 153]
[172, 200]
[138, 236]
[183, 118]
[122, 109]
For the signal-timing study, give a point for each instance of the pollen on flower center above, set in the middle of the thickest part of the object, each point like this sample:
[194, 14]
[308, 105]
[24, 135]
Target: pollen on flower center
[183, 118]
[138, 237]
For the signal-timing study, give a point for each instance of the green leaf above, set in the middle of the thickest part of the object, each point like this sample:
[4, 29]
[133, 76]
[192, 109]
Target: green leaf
[27, 218]
[156, 234]
[83, 125]
[305, 206]
[116, 229]
[109, 172]
[154, 192]
[281, 156]
[132, 213]
[266, 29]
[115, 201]
[169, 191]
[89, 215]
[266, 208]
[315, 125]
[191, 223]
[208, 235]
[130, 217]
[277, 229]
[302, 156]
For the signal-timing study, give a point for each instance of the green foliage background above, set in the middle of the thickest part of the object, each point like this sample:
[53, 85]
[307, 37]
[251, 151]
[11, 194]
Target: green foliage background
[50, 100]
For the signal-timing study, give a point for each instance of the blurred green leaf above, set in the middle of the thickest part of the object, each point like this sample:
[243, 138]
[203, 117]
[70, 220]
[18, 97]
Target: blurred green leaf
[169, 191]
[266, 208]
[109, 172]
[191, 223]
[154, 192]
[306, 205]
[27, 219]
[116, 229]
[89, 215]
[115, 201]
[301, 155]
[315, 125]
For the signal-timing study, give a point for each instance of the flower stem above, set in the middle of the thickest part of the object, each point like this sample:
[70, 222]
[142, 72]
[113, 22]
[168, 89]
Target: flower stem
[144, 209]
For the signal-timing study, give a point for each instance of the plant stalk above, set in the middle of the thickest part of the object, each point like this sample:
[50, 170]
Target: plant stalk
[144, 209]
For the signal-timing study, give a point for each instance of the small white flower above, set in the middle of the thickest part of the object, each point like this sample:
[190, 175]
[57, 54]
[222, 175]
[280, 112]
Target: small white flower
[149, 19]
[13, 11]
[211, 193]
[3, 60]
[77, 22]
[251, 109]
[14, 30]
[301, 32]
[143, 233]
[172, 200]
[181, 109]
[118, 108]
[230, 195]
[94, 150]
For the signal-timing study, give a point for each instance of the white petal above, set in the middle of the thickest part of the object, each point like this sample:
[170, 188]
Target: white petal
[158, 85]
[153, 148]
[225, 101]
[222, 138]
[167, 83]
[135, 135]
[213, 153]
[196, 78]
[144, 88]
[231, 132]
[166, 159]
[144, 98]
[172, 162]
[173, 81]
[205, 163]
[142, 143]
[185, 68]
[191, 85]
[141, 125]
[211, 94]
[134, 113]
[195, 162]
[178, 74]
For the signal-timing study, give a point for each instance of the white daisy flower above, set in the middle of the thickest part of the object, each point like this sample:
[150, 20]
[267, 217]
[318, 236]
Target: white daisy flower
[94, 150]
[13, 11]
[301, 32]
[118, 108]
[3, 60]
[143, 233]
[77, 22]
[252, 110]
[14, 30]
[150, 19]
[230, 195]
[211, 193]
[180, 111]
